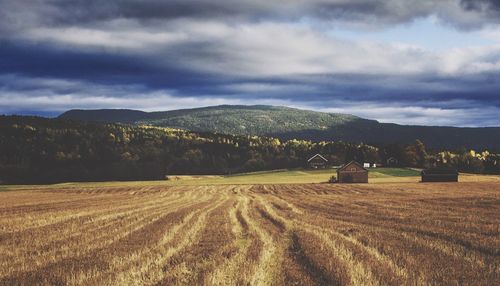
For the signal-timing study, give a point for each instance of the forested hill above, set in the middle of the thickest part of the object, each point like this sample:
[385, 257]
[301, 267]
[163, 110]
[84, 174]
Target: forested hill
[290, 123]
[228, 119]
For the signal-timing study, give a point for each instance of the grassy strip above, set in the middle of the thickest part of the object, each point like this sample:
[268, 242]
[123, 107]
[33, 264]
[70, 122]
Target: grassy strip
[298, 176]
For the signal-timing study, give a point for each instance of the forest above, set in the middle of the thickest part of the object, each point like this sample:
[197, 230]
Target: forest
[42, 150]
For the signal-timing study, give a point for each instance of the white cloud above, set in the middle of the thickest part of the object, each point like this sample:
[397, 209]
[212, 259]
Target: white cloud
[267, 87]
[491, 32]
[471, 60]
[127, 39]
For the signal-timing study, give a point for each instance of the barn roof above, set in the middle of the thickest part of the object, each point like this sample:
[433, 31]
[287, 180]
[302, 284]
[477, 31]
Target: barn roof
[439, 171]
[351, 163]
[317, 155]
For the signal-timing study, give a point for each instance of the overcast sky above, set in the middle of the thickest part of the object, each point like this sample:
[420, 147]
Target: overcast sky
[431, 62]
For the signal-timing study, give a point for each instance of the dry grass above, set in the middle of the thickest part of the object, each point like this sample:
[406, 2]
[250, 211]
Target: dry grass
[301, 234]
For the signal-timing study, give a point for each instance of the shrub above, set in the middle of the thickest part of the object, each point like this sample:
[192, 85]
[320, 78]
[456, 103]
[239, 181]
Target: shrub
[333, 179]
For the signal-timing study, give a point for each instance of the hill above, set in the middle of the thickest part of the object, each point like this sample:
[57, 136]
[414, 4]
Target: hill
[228, 119]
[289, 123]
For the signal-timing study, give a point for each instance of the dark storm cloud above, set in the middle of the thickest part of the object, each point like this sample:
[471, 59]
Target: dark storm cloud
[71, 12]
[488, 6]
[94, 10]
[104, 68]
[21, 13]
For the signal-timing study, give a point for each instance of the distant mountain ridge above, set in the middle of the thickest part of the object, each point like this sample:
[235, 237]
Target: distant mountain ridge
[289, 123]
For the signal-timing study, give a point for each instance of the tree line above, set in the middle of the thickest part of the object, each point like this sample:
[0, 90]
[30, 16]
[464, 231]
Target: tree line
[41, 150]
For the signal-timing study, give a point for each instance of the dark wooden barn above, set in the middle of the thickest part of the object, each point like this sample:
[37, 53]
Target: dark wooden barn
[392, 162]
[352, 172]
[317, 161]
[439, 175]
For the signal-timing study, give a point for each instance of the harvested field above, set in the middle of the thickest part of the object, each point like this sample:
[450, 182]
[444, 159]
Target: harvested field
[301, 234]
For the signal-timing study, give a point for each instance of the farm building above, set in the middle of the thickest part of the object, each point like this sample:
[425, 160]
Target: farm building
[439, 175]
[370, 165]
[352, 172]
[392, 162]
[317, 161]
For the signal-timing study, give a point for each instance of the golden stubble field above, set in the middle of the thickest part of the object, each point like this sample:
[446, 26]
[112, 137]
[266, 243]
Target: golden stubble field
[309, 234]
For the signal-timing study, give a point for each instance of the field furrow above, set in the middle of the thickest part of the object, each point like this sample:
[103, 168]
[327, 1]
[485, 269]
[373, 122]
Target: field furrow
[29, 257]
[81, 261]
[193, 264]
[132, 267]
[239, 268]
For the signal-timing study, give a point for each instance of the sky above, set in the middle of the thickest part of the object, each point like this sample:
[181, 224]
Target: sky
[428, 62]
